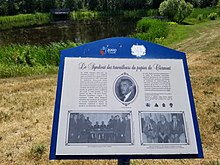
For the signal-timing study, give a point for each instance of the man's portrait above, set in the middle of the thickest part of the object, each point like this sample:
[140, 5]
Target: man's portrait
[125, 89]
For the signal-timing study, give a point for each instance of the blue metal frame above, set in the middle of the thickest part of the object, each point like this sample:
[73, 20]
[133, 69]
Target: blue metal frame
[123, 46]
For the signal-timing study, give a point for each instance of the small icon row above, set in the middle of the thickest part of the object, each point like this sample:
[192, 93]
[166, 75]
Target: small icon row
[158, 105]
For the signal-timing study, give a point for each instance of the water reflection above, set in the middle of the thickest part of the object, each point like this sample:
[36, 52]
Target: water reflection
[77, 31]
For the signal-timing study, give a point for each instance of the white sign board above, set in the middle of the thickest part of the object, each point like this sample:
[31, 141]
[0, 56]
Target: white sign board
[124, 107]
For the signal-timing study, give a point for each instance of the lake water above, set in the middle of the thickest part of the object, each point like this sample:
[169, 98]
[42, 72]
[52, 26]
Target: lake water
[77, 31]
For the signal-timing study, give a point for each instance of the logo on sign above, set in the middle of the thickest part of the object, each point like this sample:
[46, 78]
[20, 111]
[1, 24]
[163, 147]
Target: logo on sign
[108, 50]
[138, 50]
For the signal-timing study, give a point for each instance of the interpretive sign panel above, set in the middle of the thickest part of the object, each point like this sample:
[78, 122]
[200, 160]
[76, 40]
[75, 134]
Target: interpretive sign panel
[124, 97]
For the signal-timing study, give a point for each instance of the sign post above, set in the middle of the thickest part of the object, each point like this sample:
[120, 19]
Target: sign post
[124, 98]
[123, 161]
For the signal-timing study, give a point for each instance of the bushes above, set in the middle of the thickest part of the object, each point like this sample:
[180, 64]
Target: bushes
[21, 60]
[151, 29]
[175, 10]
[205, 12]
[212, 16]
[83, 15]
[22, 20]
[201, 14]
[200, 17]
[33, 55]
[203, 3]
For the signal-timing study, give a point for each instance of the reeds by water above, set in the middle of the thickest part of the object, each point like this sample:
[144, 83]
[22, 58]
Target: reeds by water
[22, 60]
[22, 20]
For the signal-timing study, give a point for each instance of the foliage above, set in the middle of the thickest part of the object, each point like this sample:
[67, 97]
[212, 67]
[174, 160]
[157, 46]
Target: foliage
[154, 4]
[193, 2]
[22, 20]
[78, 15]
[218, 4]
[200, 17]
[172, 23]
[17, 60]
[175, 10]
[204, 11]
[151, 29]
[13, 7]
[212, 16]
[88, 14]
[152, 12]
[202, 3]
[206, 3]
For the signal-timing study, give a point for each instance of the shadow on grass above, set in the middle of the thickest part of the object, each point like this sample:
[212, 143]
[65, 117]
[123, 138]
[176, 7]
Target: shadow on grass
[186, 23]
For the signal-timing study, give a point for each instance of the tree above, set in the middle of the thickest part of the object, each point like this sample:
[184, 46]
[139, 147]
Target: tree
[206, 3]
[175, 10]
[12, 7]
[29, 6]
[218, 4]
[154, 3]
[93, 4]
[3, 7]
[195, 3]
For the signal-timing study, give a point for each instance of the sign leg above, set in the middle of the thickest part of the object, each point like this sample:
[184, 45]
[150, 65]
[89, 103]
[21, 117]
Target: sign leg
[123, 161]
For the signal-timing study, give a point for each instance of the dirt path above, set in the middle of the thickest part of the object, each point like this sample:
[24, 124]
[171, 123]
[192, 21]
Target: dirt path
[26, 108]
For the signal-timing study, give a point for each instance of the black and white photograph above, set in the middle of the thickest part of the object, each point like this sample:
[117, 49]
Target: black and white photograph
[166, 127]
[99, 128]
[125, 88]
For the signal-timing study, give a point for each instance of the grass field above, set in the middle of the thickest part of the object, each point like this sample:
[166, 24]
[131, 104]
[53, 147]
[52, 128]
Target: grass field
[27, 104]
[178, 33]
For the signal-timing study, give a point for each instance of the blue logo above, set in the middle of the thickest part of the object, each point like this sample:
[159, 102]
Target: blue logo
[108, 50]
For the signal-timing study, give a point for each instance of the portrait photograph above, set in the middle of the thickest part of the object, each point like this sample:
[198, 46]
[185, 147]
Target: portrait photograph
[125, 88]
[99, 128]
[163, 128]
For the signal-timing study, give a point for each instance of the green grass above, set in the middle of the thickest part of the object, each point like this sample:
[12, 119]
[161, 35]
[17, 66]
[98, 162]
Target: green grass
[17, 71]
[23, 20]
[201, 12]
[22, 60]
[179, 33]
[191, 27]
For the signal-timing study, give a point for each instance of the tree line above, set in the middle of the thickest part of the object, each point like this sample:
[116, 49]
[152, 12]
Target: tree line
[13, 7]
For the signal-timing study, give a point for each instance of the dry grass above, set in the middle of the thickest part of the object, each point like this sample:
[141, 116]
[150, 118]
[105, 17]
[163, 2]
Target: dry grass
[26, 109]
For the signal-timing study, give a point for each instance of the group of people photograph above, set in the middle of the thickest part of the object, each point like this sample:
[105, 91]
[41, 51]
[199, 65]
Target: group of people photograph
[163, 128]
[99, 128]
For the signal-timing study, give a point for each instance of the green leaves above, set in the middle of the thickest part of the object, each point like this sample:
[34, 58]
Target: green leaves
[22, 20]
[22, 60]
[175, 10]
[152, 29]
[212, 16]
